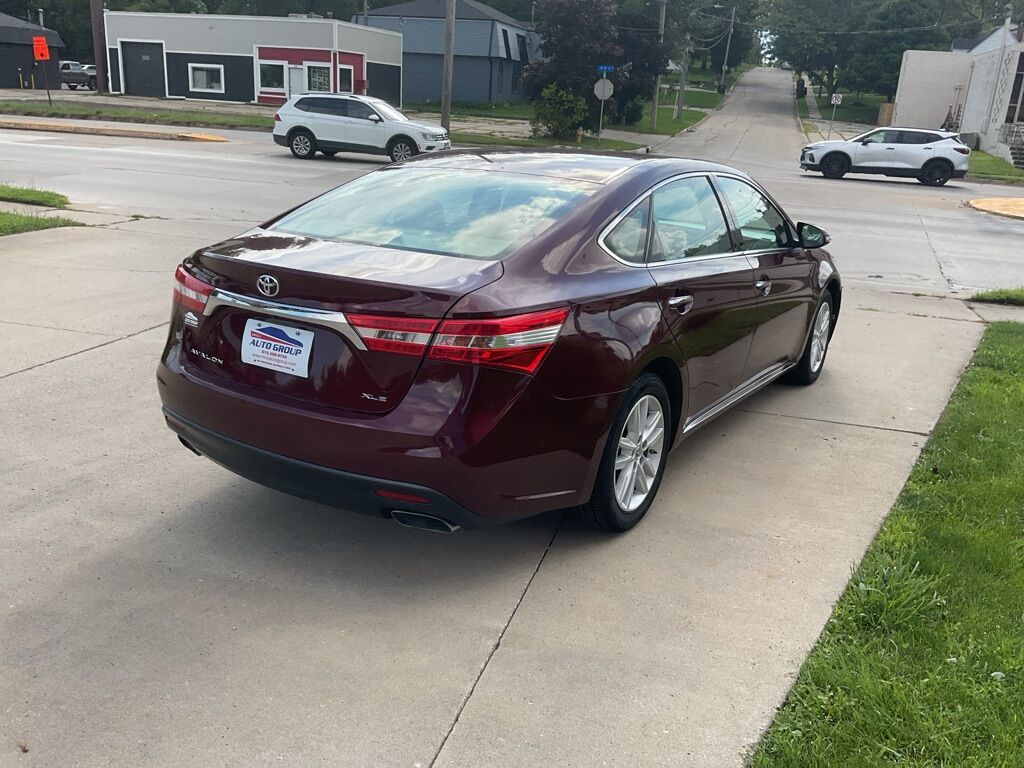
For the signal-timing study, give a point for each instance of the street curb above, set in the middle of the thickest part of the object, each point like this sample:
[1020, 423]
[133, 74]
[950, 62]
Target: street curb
[132, 133]
[985, 205]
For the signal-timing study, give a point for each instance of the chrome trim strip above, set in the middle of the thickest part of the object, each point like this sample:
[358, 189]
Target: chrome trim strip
[744, 390]
[336, 321]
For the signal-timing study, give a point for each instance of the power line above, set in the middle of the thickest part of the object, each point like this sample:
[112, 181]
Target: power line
[808, 31]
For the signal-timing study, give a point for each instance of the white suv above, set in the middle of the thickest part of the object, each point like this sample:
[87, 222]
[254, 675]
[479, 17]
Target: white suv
[931, 157]
[332, 123]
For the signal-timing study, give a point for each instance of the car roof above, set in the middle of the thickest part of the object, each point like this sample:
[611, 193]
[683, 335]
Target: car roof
[936, 131]
[597, 167]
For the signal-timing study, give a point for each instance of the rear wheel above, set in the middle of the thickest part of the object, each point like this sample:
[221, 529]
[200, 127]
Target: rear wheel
[936, 173]
[73, 86]
[835, 166]
[302, 144]
[401, 149]
[808, 368]
[633, 461]
[92, 83]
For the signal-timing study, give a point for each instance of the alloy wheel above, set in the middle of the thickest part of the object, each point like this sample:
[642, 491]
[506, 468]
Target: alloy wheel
[302, 145]
[638, 458]
[401, 151]
[819, 336]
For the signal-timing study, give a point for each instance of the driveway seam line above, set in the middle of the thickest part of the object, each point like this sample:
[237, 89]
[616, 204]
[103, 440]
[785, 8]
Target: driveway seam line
[81, 351]
[497, 644]
[837, 423]
[57, 328]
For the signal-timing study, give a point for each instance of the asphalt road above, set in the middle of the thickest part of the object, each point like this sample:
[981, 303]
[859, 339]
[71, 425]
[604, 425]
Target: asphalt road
[158, 611]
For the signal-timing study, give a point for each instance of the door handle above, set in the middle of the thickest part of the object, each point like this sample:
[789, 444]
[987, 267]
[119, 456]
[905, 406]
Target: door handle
[763, 286]
[682, 302]
[890, 149]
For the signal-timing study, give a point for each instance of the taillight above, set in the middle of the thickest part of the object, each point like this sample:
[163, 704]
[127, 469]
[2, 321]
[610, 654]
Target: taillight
[401, 335]
[518, 343]
[963, 150]
[277, 117]
[189, 291]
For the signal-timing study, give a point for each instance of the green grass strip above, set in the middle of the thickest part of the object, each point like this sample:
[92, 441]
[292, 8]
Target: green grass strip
[140, 115]
[16, 223]
[32, 196]
[589, 142]
[1011, 296]
[986, 166]
[922, 662]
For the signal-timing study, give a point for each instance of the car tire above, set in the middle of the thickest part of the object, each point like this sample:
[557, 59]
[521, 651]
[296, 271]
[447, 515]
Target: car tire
[92, 83]
[302, 143]
[73, 86]
[812, 361]
[835, 166]
[646, 401]
[401, 148]
[935, 173]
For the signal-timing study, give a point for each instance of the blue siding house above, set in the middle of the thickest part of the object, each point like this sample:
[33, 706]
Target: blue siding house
[491, 50]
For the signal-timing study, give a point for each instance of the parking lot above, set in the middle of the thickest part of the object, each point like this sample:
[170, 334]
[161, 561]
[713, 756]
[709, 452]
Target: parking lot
[158, 610]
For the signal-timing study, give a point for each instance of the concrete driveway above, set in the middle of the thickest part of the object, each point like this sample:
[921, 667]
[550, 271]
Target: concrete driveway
[158, 611]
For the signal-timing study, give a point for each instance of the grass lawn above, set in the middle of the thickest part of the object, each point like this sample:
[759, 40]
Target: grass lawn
[801, 109]
[589, 142]
[694, 98]
[139, 115]
[14, 223]
[510, 111]
[986, 166]
[666, 125]
[1012, 296]
[709, 78]
[853, 109]
[32, 196]
[922, 661]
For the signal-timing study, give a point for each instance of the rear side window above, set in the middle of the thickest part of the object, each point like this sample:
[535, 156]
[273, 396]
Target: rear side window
[304, 105]
[760, 223]
[917, 137]
[688, 221]
[452, 211]
[628, 240]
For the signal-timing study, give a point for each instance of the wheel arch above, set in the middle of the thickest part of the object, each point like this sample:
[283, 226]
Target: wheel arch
[297, 129]
[668, 371]
[835, 290]
[399, 137]
[834, 153]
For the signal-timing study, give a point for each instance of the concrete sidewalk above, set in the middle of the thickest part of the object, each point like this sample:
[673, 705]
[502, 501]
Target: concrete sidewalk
[106, 128]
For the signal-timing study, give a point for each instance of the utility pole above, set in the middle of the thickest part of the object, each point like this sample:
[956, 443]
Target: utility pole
[366, 13]
[657, 79]
[728, 45]
[684, 69]
[99, 45]
[449, 64]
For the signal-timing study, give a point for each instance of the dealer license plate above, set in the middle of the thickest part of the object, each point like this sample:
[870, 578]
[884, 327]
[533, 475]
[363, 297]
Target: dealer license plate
[277, 347]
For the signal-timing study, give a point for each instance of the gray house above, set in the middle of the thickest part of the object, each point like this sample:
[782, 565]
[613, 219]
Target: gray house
[18, 68]
[491, 50]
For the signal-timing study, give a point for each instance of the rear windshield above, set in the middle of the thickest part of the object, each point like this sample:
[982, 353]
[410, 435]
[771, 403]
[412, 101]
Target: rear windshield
[457, 212]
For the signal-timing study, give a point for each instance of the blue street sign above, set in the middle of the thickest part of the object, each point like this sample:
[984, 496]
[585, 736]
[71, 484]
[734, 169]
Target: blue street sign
[605, 69]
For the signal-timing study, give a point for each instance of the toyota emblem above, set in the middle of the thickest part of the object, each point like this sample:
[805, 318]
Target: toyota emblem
[268, 285]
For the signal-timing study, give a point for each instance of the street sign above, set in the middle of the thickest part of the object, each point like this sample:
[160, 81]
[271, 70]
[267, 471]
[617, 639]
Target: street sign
[605, 69]
[603, 89]
[40, 50]
[837, 99]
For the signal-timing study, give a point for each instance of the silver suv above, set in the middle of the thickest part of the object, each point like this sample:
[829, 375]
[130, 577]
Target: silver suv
[332, 123]
[932, 157]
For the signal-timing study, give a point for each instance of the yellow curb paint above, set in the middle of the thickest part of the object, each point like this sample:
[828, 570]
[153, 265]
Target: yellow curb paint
[1011, 207]
[200, 137]
[89, 130]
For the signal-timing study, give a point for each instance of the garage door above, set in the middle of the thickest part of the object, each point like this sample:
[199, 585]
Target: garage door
[143, 66]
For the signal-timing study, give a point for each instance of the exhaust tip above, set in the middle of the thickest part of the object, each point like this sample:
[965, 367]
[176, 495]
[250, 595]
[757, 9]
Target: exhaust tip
[423, 522]
[188, 445]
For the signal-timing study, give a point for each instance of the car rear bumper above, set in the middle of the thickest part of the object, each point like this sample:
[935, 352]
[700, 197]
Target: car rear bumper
[282, 140]
[358, 493]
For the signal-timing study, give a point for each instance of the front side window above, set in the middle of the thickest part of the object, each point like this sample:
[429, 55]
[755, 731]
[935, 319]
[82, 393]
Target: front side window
[208, 78]
[359, 110]
[688, 221]
[628, 240]
[880, 137]
[456, 212]
[272, 76]
[760, 223]
[318, 78]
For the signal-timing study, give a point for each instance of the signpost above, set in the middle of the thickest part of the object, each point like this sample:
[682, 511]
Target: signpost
[41, 52]
[603, 89]
[837, 99]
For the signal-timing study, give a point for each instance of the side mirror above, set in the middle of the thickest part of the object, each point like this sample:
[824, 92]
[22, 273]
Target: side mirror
[374, 118]
[812, 236]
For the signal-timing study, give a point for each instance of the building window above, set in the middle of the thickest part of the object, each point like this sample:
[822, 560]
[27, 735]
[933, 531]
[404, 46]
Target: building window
[272, 76]
[206, 78]
[524, 55]
[508, 49]
[318, 77]
[344, 79]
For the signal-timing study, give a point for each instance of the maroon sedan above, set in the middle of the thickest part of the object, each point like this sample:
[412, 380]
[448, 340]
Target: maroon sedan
[474, 338]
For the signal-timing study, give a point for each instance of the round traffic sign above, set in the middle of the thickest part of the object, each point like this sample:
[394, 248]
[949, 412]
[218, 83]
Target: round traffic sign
[603, 89]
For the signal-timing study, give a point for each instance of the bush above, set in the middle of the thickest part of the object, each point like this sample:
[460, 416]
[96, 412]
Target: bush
[558, 113]
[633, 111]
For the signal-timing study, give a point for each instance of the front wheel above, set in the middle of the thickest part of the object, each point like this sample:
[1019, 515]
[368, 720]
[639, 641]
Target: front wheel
[73, 86]
[401, 149]
[835, 166]
[303, 145]
[935, 174]
[808, 368]
[633, 461]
